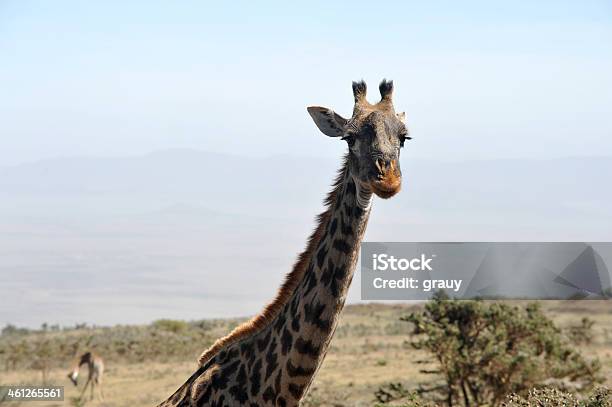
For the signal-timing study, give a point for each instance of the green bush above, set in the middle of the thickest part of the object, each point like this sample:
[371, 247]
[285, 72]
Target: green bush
[582, 334]
[171, 325]
[161, 341]
[555, 398]
[485, 351]
[545, 397]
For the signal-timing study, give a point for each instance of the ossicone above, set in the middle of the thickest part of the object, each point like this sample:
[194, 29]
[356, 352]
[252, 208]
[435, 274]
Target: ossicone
[359, 91]
[386, 89]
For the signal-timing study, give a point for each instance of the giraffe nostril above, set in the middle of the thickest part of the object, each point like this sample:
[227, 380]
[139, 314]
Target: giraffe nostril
[383, 166]
[379, 165]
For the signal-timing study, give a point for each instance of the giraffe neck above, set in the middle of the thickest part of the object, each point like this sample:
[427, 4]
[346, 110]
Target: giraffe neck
[272, 359]
[312, 314]
[294, 341]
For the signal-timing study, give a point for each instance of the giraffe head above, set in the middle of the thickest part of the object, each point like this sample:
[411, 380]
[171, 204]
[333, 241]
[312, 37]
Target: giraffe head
[374, 134]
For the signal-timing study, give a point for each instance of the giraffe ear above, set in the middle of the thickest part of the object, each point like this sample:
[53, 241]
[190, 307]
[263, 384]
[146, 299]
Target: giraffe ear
[328, 121]
[402, 117]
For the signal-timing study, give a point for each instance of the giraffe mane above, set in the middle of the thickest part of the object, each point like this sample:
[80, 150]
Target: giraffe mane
[291, 282]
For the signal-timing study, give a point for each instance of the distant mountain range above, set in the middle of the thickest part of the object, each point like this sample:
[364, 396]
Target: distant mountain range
[193, 234]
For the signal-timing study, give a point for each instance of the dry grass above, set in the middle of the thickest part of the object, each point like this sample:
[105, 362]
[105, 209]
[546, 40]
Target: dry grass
[371, 348]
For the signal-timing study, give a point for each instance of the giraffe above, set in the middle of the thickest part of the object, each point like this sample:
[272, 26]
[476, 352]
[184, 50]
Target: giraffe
[95, 369]
[272, 359]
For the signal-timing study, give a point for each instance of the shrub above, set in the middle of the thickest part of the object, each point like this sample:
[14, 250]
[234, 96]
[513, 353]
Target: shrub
[545, 397]
[550, 397]
[171, 325]
[582, 333]
[392, 392]
[160, 341]
[485, 351]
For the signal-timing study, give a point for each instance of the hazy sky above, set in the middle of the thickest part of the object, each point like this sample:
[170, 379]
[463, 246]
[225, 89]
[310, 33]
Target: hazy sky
[476, 79]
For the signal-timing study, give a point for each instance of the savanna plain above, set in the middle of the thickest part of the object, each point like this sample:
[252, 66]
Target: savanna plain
[146, 363]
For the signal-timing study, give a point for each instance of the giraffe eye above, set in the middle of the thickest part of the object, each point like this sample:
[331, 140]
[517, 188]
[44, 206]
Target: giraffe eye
[350, 139]
[403, 137]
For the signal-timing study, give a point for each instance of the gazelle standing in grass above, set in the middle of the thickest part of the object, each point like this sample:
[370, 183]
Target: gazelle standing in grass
[95, 370]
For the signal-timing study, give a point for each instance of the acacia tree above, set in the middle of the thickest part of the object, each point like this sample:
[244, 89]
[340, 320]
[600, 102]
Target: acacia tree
[485, 351]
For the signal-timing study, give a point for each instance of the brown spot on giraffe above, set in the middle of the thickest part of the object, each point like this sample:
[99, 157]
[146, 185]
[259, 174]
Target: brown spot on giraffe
[272, 359]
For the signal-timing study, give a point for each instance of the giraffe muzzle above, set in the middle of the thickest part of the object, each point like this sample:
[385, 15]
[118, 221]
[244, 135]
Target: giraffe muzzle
[388, 180]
